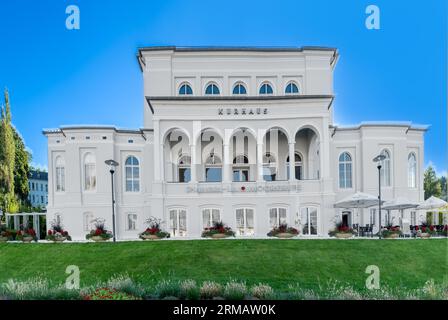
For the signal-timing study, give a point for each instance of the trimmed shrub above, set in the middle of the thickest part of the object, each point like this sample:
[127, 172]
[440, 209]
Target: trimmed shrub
[235, 290]
[262, 291]
[210, 290]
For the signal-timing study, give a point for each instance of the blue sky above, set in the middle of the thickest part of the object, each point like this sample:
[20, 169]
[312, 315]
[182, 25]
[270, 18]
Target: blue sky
[90, 76]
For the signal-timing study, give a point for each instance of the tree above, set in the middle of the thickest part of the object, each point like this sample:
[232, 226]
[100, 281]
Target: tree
[7, 151]
[443, 185]
[21, 168]
[431, 184]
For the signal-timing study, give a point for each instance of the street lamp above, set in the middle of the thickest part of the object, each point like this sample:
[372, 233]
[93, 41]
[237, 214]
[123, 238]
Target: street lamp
[112, 164]
[378, 159]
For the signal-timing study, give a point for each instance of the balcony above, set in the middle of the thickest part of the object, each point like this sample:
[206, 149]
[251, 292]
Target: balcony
[249, 187]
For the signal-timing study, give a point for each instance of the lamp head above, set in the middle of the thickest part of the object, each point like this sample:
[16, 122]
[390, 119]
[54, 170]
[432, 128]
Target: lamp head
[111, 163]
[379, 158]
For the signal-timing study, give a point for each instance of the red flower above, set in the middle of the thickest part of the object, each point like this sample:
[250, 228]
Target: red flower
[431, 228]
[65, 233]
[416, 228]
[98, 232]
[50, 232]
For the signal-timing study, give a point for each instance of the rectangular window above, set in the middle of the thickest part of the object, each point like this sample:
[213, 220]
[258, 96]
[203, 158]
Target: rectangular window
[309, 220]
[210, 217]
[277, 216]
[184, 175]
[245, 222]
[213, 174]
[178, 223]
[132, 222]
[413, 218]
[372, 216]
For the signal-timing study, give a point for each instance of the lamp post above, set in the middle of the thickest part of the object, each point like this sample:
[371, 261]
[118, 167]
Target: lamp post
[378, 160]
[112, 164]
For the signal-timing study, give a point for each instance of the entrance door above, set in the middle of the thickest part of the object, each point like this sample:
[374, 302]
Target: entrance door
[347, 218]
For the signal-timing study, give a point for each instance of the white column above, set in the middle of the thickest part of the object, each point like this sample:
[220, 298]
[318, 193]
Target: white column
[162, 162]
[226, 164]
[193, 163]
[156, 150]
[292, 162]
[259, 162]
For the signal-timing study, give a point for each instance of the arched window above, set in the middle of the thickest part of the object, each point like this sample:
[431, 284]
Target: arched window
[291, 88]
[60, 174]
[184, 168]
[412, 170]
[385, 169]
[241, 168]
[309, 220]
[345, 171]
[210, 217]
[213, 168]
[88, 221]
[266, 89]
[239, 88]
[89, 172]
[185, 89]
[132, 173]
[178, 223]
[277, 216]
[269, 167]
[297, 166]
[212, 89]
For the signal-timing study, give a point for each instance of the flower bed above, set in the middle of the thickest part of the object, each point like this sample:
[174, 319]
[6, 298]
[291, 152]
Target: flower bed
[391, 232]
[217, 231]
[425, 231]
[6, 235]
[109, 294]
[154, 230]
[57, 233]
[283, 231]
[26, 235]
[99, 233]
[342, 231]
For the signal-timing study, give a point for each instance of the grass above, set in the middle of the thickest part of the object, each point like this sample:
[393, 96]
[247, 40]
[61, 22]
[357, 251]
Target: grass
[278, 263]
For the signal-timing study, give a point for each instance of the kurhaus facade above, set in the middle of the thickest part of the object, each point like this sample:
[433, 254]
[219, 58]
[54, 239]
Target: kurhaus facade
[241, 135]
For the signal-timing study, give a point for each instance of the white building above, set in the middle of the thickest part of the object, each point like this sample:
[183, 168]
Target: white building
[38, 186]
[220, 128]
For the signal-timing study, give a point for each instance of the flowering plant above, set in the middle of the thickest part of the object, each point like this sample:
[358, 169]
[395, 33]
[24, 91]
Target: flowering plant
[100, 230]
[25, 233]
[218, 228]
[57, 232]
[6, 234]
[390, 231]
[425, 228]
[154, 229]
[282, 228]
[341, 228]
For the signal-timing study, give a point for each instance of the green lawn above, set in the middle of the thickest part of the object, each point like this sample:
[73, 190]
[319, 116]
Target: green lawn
[406, 263]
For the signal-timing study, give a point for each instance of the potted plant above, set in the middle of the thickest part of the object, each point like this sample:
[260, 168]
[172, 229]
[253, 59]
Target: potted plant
[100, 233]
[283, 231]
[425, 230]
[341, 231]
[154, 230]
[57, 233]
[26, 234]
[391, 232]
[217, 231]
[5, 234]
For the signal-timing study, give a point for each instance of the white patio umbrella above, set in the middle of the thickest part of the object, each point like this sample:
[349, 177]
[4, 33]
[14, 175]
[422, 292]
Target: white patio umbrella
[358, 200]
[400, 203]
[434, 203]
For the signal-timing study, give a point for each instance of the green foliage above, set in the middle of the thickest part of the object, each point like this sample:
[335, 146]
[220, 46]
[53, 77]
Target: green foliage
[21, 168]
[235, 290]
[431, 184]
[7, 149]
[167, 288]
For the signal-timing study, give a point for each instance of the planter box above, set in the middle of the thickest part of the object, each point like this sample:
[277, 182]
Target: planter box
[27, 239]
[392, 236]
[3, 239]
[219, 236]
[342, 235]
[284, 235]
[424, 235]
[98, 239]
[62, 239]
[149, 237]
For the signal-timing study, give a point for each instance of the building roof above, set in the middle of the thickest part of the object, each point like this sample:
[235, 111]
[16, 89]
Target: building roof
[141, 61]
[38, 175]
[93, 127]
[404, 124]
